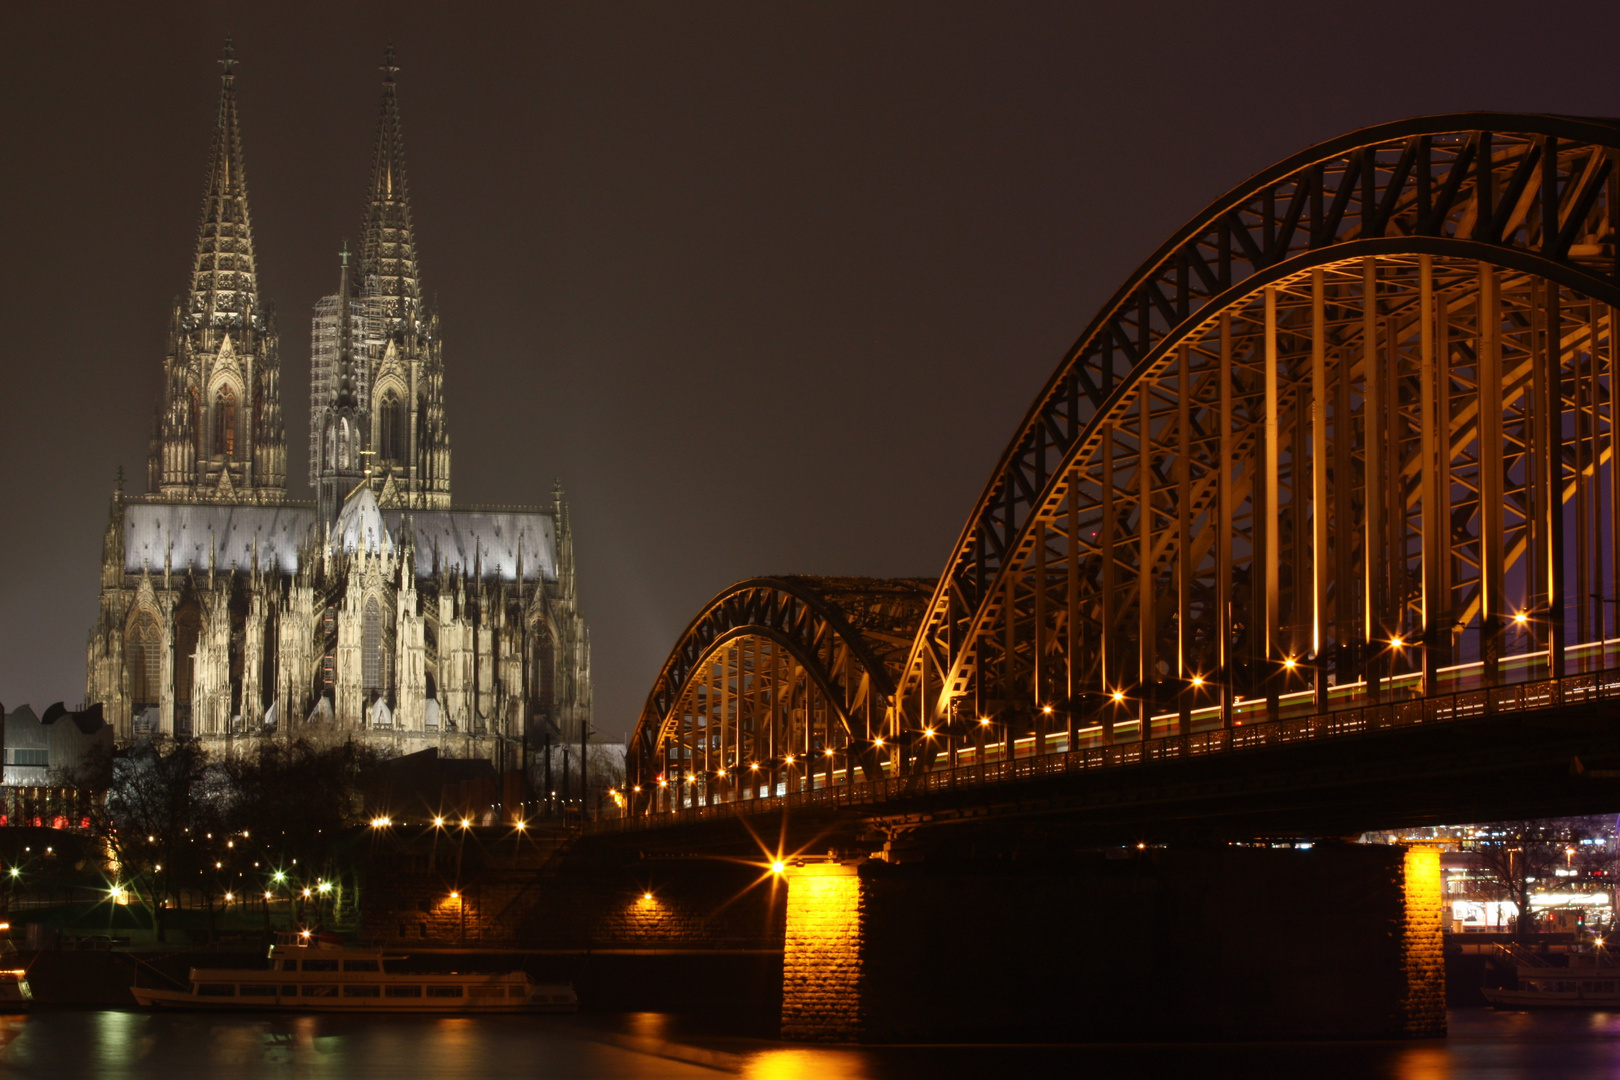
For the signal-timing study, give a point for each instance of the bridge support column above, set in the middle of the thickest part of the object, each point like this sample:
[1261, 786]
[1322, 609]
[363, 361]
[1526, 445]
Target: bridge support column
[822, 953]
[1339, 941]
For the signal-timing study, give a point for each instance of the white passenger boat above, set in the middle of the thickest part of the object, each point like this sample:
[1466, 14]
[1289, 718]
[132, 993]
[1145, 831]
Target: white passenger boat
[1591, 981]
[15, 996]
[317, 976]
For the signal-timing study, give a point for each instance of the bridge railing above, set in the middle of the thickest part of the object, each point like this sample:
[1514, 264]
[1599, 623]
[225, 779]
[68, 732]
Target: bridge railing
[1439, 709]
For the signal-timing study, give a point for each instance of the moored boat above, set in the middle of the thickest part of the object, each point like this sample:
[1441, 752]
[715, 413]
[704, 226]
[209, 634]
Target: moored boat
[1590, 981]
[15, 994]
[318, 976]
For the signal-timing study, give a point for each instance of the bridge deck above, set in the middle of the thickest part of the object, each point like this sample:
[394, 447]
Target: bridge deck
[1441, 709]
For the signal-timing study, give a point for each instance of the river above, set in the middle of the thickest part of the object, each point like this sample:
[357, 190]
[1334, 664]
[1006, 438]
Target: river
[65, 1045]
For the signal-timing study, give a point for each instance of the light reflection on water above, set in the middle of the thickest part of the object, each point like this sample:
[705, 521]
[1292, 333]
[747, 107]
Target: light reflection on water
[1484, 1045]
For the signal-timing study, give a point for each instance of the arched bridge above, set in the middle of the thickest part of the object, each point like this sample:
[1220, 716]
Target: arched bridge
[1338, 457]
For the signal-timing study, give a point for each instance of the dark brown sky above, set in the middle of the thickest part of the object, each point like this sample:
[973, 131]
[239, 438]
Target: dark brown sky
[768, 286]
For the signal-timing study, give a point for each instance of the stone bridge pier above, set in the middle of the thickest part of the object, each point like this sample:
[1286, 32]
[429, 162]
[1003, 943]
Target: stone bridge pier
[1224, 942]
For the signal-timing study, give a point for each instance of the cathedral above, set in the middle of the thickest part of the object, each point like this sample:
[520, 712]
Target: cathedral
[382, 611]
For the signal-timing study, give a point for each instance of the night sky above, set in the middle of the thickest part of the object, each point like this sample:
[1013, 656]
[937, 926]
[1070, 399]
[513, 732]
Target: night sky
[767, 286]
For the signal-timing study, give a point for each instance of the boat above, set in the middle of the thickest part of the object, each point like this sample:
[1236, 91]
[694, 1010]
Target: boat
[317, 974]
[15, 995]
[1590, 981]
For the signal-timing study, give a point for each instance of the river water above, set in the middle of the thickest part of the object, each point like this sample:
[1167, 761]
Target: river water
[64, 1045]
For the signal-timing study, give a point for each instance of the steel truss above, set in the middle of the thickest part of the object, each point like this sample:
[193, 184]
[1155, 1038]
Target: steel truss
[1347, 438]
[1337, 294]
[779, 684]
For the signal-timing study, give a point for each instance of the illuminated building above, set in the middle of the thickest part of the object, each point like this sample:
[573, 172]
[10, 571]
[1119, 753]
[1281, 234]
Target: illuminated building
[379, 611]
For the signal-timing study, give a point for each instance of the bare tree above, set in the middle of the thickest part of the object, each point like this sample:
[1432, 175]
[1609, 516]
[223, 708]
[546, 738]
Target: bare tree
[166, 798]
[1515, 855]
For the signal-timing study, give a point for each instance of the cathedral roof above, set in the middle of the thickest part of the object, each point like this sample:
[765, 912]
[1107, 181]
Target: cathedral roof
[360, 524]
[188, 533]
[464, 540]
[490, 540]
[388, 266]
[224, 281]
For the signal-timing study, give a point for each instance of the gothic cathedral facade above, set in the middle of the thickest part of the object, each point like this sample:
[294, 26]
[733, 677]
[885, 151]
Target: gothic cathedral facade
[380, 611]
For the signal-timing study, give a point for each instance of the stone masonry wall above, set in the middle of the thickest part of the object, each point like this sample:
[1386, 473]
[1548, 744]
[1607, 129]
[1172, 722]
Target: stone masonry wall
[1340, 941]
[521, 895]
[822, 953]
[1423, 1006]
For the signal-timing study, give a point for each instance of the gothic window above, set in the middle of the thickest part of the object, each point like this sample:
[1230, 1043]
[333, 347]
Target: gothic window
[188, 627]
[225, 422]
[143, 659]
[393, 425]
[195, 398]
[542, 672]
[371, 646]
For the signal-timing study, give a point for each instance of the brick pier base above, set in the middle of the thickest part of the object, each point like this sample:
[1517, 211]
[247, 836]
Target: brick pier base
[1338, 941]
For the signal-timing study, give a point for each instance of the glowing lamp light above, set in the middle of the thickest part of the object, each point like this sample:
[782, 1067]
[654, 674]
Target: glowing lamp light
[18, 873]
[1046, 708]
[637, 789]
[267, 894]
[663, 783]
[381, 822]
[929, 732]
[438, 823]
[1198, 680]
[278, 876]
[303, 933]
[1119, 695]
[1521, 618]
[721, 773]
[466, 823]
[1290, 663]
[306, 893]
[520, 824]
[878, 741]
[778, 866]
[228, 896]
[754, 765]
[829, 751]
[788, 760]
[646, 896]
[1396, 641]
[455, 895]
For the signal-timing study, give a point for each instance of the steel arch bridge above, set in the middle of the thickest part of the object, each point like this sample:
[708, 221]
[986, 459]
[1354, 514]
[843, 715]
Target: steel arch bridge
[1344, 443]
[778, 677]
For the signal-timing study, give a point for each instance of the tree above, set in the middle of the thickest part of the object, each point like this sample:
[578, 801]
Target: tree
[166, 797]
[293, 804]
[1515, 855]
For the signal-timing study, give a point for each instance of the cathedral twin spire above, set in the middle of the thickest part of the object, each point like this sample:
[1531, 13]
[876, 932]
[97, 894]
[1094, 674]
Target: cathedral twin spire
[224, 284]
[219, 434]
[388, 244]
[377, 374]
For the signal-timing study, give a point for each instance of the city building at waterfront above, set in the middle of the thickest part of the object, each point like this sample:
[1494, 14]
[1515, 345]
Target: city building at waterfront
[380, 611]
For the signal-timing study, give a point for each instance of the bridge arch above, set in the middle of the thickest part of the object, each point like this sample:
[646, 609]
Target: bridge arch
[1379, 331]
[776, 681]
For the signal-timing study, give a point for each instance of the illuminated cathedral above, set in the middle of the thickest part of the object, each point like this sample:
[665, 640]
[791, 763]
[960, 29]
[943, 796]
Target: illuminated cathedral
[382, 611]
